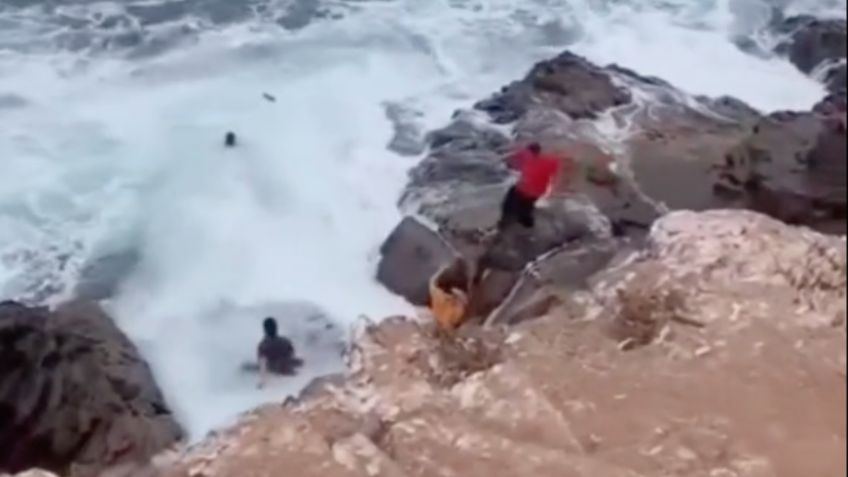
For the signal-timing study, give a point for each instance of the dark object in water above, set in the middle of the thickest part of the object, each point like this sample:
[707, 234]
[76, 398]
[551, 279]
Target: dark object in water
[230, 139]
[269, 97]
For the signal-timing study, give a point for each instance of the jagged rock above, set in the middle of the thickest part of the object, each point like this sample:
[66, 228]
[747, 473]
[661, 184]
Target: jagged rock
[568, 83]
[834, 104]
[75, 393]
[411, 255]
[836, 78]
[100, 278]
[812, 42]
[792, 167]
[569, 269]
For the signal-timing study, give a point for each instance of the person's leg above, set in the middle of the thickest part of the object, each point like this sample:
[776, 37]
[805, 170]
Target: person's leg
[509, 208]
[527, 212]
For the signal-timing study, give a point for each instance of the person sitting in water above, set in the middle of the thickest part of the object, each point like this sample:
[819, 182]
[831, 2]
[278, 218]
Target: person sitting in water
[275, 353]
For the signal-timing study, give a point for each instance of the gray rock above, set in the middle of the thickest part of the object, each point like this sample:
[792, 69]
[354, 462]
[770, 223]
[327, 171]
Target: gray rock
[411, 255]
[101, 277]
[793, 168]
[75, 391]
[811, 42]
[568, 83]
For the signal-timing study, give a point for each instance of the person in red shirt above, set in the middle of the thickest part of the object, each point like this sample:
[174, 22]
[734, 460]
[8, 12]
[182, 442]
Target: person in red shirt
[538, 173]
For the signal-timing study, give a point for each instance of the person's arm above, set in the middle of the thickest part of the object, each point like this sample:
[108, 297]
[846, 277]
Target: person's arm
[514, 159]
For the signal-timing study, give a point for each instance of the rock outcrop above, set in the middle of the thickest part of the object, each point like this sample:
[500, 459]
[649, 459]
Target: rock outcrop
[717, 349]
[412, 254]
[816, 45]
[75, 395]
[459, 186]
[793, 167]
[642, 148]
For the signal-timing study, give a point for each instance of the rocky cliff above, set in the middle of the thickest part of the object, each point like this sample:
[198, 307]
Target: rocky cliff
[716, 349]
[75, 394]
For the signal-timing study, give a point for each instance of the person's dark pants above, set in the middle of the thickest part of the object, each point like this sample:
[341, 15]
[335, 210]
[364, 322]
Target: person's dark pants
[519, 208]
[516, 207]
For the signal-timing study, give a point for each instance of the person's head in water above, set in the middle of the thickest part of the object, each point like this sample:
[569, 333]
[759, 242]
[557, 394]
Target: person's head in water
[270, 327]
[535, 148]
[230, 139]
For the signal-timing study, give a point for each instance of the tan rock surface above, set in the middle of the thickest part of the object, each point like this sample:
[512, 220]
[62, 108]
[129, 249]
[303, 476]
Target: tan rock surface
[735, 366]
[717, 351]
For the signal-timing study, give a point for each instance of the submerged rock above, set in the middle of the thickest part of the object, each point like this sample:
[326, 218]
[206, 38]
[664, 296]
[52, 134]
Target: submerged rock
[75, 393]
[812, 41]
[408, 137]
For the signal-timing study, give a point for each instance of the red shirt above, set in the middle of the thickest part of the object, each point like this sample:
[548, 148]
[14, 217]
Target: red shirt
[537, 172]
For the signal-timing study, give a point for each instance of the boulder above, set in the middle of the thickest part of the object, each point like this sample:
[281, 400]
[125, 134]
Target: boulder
[815, 46]
[792, 167]
[569, 269]
[568, 83]
[75, 393]
[411, 255]
[811, 42]
[835, 78]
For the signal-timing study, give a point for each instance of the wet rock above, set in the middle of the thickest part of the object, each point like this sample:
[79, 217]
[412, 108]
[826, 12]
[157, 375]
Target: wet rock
[101, 277]
[75, 391]
[811, 42]
[408, 138]
[467, 132]
[568, 82]
[792, 167]
[832, 105]
[411, 255]
[836, 78]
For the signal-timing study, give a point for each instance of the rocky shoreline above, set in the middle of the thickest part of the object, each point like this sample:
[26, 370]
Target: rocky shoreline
[717, 348]
[631, 262]
[644, 148]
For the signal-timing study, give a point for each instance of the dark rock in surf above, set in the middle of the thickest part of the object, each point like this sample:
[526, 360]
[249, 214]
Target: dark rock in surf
[812, 43]
[411, 255]
[408, 138]
[74, 391]
[568, 82]
[836, 78]
[101, 277]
